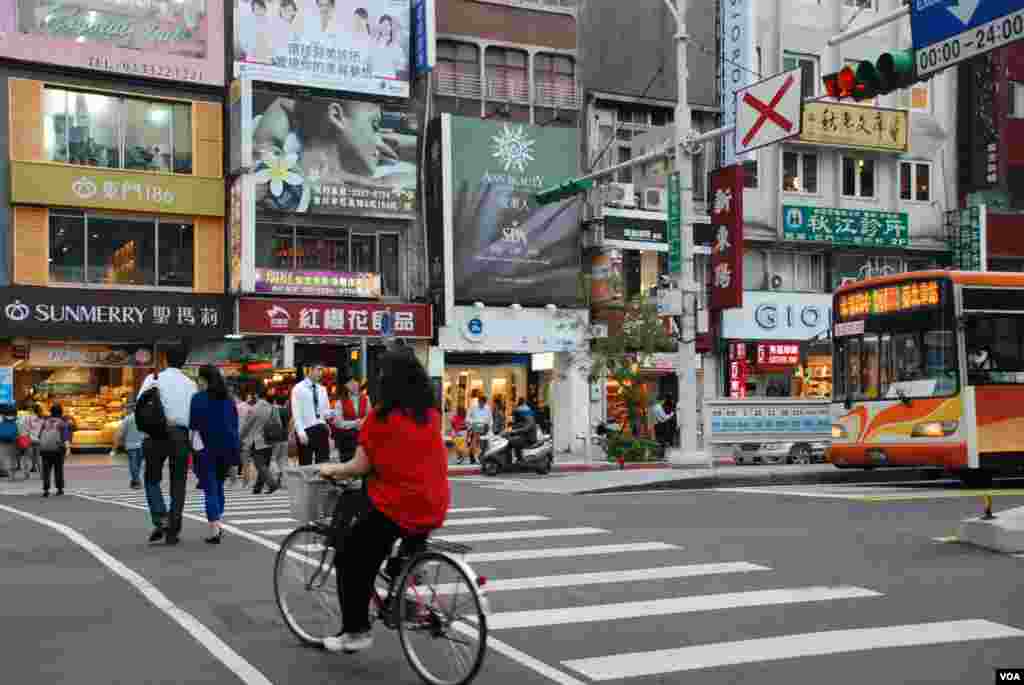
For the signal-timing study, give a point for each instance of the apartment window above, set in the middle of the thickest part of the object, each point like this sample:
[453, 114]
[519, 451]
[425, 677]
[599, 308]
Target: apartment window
[808, 66]
[1017, 99]
[389, 264]
[506, 73]
[800, 172]
[121, 249]
[458, 69]
[858, 177]
[750, 173]
[915, 181]
[555, 81]
[798, 271]
[115, 132]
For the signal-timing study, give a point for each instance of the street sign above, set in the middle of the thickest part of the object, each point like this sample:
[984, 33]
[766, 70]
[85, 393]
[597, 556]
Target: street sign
[768, 111]
[946, 32]
[675, 246]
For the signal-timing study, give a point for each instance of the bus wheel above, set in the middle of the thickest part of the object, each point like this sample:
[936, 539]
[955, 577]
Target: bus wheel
[974, 478]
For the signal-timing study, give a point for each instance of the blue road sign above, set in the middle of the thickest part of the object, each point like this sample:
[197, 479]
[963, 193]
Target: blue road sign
[949, 31]
[424, 39]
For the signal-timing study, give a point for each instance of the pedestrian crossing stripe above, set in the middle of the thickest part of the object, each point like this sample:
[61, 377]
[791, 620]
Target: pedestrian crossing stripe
[521, 534]
[564, 552]
[758, 650]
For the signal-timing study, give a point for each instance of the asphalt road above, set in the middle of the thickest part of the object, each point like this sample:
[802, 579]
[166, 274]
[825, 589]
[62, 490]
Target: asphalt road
[706, 587]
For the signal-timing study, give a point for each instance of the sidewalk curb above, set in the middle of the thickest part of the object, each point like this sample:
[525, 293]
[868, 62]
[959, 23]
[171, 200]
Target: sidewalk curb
[457, 470]
[896, 475]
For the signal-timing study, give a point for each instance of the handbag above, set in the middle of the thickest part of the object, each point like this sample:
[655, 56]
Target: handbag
[23, 442]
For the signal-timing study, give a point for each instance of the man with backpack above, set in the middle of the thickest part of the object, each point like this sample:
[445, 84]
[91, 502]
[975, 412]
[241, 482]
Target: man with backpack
[54, 445]
[162, 413]
[262, 430]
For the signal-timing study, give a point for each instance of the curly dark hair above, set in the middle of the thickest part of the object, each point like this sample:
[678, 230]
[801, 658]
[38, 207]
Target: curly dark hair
[403, 385]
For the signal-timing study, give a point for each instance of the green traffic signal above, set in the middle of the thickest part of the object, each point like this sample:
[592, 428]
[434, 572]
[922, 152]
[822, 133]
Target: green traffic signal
[560, 192]
[868, 83]
[897, 69]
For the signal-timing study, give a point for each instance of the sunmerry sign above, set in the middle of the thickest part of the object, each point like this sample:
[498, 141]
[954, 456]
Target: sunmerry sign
[40, 183]
[110, 315]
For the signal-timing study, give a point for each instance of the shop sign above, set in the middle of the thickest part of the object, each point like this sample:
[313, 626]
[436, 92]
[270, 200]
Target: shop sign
[235, 225]
[736, 33]
[675, 245]
[968, 233]
[176, 41]
[741, 421]
[47, 184]
[348, 319]
[637, 234]
[778, 316]
[659, 361]
[91, 356]
[738, 370]
[866, 128]
[113, 314]
[778, 354]
[521, 331]
[323, 46]
[727, 246]
[862, 227]
[6, 385]
[848, 328]
[317, 283]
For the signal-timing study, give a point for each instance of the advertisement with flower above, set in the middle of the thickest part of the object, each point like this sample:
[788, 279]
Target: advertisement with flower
[332, 156]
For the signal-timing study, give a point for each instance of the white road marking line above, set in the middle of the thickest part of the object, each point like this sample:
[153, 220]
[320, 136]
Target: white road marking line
[245, 671]
[564, 552]
[276, 532]
[521, 534]
[601, 577]
[673, 605]
[471, 510]
[486, 520]
[254, 521]
[791, 493]
[494, 643]
[636, 664]
[948, 538]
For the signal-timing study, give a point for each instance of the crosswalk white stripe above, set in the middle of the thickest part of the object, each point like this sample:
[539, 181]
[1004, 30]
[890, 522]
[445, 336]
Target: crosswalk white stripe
[673, 605]
[275, 532]
[470, 510]
[600, 577]
[485, 520]
[253, 512]
[232, 519]
[239, 505]
[564, 552]
[521, 534]
[636, 664]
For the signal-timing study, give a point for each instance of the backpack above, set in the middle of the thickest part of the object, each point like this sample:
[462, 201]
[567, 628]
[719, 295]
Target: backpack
[273, 430]
[149, 412]
[51, 439]
[8, 430]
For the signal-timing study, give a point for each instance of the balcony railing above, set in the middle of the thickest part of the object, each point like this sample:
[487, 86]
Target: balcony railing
[557, 95]
[506, 89]
[460, 85]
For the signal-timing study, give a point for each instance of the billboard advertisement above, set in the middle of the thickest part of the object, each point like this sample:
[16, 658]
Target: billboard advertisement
[438, 206]
[359, 46]
[505, 248]
[173, 41]
[330, 156]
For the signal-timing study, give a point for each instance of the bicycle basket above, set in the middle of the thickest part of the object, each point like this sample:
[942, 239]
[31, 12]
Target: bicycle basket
[310, 497]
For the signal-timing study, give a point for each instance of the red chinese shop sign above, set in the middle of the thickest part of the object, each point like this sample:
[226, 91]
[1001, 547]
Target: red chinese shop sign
[727, 248]
[324, 318]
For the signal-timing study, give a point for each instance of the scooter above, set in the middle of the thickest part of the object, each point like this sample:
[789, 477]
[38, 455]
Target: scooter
[499, 455]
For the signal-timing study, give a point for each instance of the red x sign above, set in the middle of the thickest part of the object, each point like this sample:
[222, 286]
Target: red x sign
[768, 112]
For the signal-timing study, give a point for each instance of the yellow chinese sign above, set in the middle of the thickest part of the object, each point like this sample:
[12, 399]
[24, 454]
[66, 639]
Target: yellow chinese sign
[869, 128]
[35, 183]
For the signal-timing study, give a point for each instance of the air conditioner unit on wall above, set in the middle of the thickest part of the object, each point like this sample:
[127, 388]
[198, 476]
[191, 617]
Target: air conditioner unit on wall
[619, 194]
[654, 199]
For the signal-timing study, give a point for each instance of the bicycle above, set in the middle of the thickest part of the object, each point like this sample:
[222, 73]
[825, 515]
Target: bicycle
[408, 595]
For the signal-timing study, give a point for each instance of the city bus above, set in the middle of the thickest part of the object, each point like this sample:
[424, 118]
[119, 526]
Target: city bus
[928, 370]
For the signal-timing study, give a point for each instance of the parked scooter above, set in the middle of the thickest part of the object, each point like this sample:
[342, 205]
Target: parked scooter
[499, 455]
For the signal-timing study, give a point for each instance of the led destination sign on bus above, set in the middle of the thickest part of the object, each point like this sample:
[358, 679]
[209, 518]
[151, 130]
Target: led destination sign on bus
[889, 299]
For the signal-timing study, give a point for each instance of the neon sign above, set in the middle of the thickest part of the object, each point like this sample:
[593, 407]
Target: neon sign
[889, 299]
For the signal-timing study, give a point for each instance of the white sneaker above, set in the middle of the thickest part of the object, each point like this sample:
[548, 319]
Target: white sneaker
[332, 644]
[356, 642]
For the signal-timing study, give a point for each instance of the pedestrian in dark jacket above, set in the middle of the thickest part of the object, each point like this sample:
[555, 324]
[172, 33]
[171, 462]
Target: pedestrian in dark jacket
[54, 445]
[214, 416]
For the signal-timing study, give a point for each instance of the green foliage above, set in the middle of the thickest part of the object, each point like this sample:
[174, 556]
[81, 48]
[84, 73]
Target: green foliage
[632, 449]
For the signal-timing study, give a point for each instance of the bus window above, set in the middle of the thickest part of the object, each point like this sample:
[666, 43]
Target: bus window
[923, 364]
[869, 368]
[853, 368]
[885, 374]
[995, 350]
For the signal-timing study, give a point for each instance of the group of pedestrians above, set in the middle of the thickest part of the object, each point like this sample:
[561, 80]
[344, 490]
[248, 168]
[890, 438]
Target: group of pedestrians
[36, 442]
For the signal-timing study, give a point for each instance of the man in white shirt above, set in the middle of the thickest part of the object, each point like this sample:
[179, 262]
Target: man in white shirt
[480, 421]
[310, 408]
[176, 391]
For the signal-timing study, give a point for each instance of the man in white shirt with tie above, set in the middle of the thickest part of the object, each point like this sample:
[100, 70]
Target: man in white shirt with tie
[176, 391]
[310, 408]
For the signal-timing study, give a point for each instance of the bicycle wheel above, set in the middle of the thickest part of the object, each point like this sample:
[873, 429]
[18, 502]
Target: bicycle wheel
[442, 625]
[305, 586]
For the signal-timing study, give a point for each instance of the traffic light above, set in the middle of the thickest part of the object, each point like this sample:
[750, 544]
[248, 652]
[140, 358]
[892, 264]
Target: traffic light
[863, 81]
[560, 192]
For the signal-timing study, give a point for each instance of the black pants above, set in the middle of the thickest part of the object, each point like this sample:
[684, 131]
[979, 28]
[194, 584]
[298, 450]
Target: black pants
[53, 461]
[368, 545]
[175, 447]
[517, 442]
[262, 460]
[347, 441]
[319, 443]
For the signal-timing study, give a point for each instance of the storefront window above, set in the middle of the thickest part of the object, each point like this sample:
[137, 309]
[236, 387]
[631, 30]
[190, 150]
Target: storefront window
[389, 264]
[121, 250]
[364, 253]
[115, 132]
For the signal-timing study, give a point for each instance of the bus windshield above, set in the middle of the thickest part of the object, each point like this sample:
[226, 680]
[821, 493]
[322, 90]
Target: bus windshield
[896, 365]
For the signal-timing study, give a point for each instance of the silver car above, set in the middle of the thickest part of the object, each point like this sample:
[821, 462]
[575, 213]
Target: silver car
[779, 452]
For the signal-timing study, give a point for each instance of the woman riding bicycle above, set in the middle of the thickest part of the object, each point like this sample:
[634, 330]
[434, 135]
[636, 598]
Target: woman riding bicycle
[402, 450]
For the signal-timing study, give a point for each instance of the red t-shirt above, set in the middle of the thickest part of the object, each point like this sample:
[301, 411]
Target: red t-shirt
[410, 463]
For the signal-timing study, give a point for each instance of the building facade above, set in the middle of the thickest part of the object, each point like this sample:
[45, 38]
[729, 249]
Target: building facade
[113, 181]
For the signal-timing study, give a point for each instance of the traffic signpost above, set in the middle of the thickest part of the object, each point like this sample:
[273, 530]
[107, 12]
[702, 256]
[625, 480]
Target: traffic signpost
[946, 31]
[768, 112]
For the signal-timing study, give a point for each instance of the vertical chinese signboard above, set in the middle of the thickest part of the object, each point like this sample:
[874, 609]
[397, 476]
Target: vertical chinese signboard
[727, 247]
[968, 238]
[738, 371]
[675, 248]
